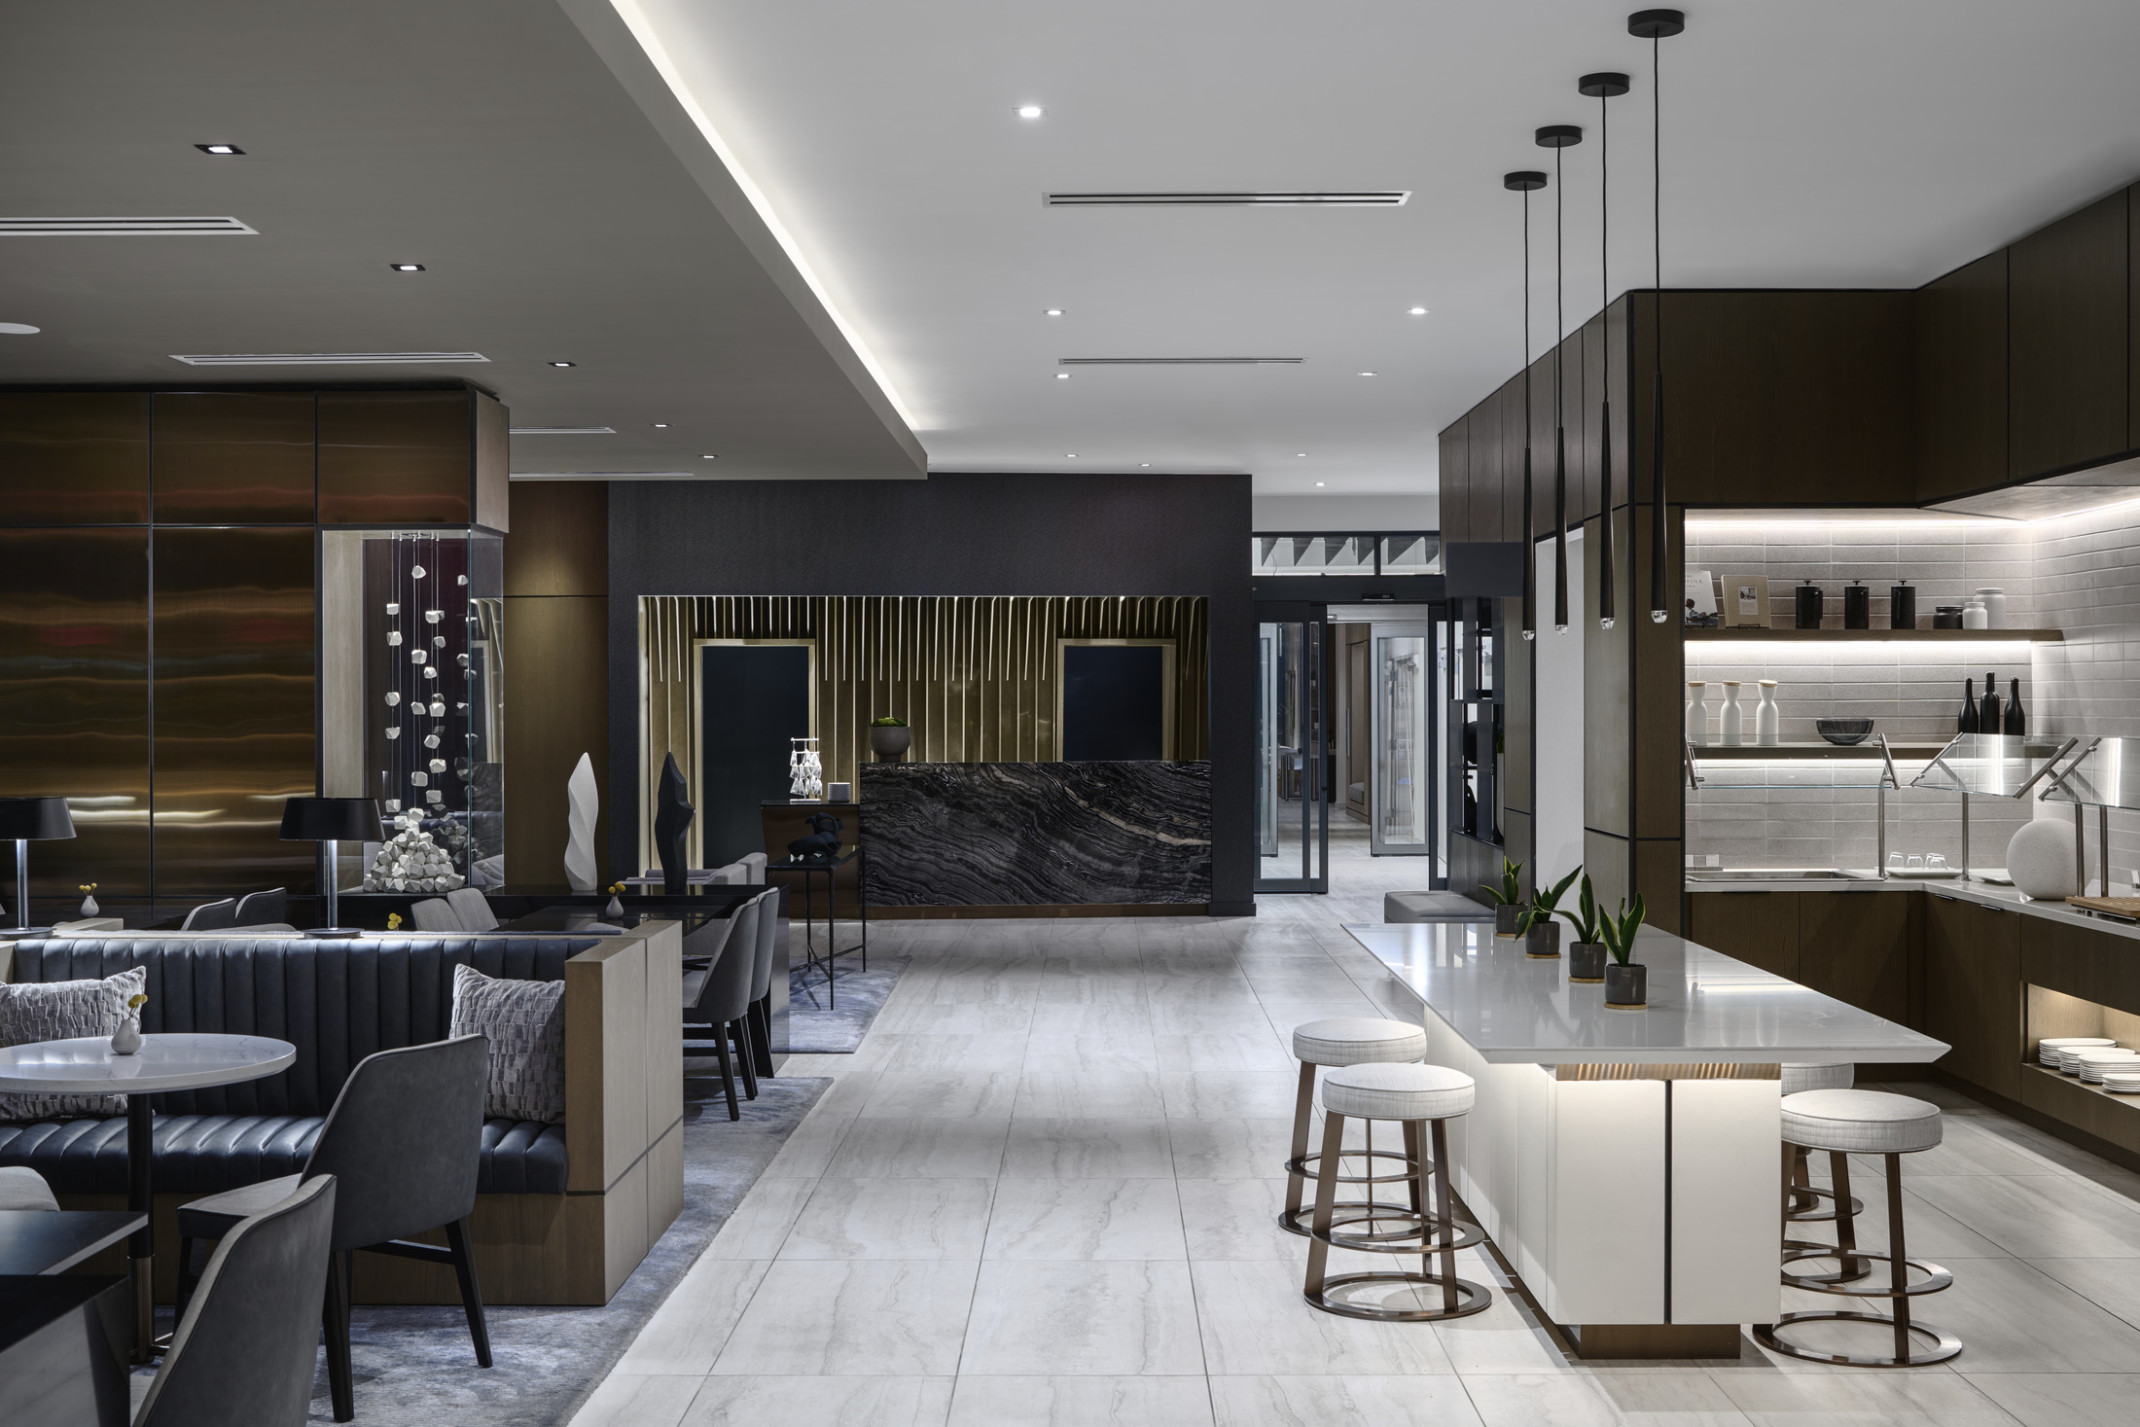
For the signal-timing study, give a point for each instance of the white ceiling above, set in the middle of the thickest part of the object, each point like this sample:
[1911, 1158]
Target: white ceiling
[1812, 143]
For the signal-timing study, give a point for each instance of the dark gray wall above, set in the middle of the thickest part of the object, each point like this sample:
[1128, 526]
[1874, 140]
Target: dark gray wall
[952, 535]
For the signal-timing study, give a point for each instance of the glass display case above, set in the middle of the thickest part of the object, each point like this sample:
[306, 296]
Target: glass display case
[1990, 765]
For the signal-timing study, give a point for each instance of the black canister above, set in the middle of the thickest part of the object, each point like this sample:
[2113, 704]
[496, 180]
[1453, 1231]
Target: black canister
[1947, 616]
[1857, 606]
[1811, 604]
[1902, 607]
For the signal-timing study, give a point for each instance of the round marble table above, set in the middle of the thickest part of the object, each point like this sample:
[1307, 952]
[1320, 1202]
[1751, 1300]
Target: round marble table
[179, 1060]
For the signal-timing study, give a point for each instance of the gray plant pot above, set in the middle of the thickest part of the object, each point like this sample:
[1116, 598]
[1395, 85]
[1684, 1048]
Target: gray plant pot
[1627, 985]
[1586, 962]
[890, 742]
[1506, 915]
[1542, 941]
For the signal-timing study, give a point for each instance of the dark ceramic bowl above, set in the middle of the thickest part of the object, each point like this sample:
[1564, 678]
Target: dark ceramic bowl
[1844, 731]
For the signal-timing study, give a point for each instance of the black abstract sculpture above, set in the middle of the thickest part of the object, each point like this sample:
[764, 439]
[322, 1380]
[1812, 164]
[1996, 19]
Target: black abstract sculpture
[822, 844]
[672, 818]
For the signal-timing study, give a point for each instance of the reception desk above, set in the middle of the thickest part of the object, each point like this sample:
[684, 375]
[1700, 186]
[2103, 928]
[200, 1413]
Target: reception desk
[1037, 839]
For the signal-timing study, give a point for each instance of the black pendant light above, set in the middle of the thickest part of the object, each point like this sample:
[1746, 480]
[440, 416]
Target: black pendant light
[1655, 25]
[1602, 87]
[1527, 182]
[1558, 137]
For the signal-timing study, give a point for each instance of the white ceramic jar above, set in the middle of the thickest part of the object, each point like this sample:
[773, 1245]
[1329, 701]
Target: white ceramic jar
[1768, 723]
[1994, 599]
[1974, 615]
[1698, 713]
[1733, 730]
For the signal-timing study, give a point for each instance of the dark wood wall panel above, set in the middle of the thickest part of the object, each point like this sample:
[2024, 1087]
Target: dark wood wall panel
[1482, 465]
[1453, 486]
[74, 702]
[559, 543]
[234, 691]
[2132, 317]
[74, 458]
[556, 708]
[2069, 306]
[1960, 334]
[233, 458]
[1508, 414]
[393, 457]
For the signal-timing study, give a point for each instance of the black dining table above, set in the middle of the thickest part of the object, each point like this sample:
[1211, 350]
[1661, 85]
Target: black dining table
[40, 1241]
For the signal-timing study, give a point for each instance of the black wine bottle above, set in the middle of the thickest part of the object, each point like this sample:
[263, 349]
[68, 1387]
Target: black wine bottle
[1968, 721]
[2017, 722]
[1990, 717]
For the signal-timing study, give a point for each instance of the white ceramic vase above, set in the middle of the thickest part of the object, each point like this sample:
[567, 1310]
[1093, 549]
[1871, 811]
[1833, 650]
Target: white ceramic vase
[1698, 714]
[127, 1039]
[2040, 859]
[1733, 731]
[1768, 723]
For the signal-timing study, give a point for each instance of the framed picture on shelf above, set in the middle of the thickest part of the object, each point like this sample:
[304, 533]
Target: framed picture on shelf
[1745, 602]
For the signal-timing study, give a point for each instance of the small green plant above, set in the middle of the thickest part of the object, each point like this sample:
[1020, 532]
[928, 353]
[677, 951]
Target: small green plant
[1584, 919]
[1546, 900]
[888, 721]
[1618, 930]
[136, 1001]
[1510, 892]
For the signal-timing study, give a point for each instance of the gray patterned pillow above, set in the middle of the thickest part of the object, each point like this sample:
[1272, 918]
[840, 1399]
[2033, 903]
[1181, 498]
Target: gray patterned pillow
[525, 1021]
[63, 1010]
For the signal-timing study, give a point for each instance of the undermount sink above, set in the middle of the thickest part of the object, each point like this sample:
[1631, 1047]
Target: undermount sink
[1775, 874]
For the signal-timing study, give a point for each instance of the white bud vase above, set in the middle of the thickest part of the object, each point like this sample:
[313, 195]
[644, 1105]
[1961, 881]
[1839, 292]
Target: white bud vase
[127, 1039]
[1734, 723]
[1768, 723]
[1697, 714]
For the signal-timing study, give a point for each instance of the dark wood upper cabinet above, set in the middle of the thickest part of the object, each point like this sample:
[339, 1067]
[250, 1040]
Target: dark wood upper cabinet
[1508, 406]
[1453, 490]
[2132, 317]
[1482, 462]
[1960, 323]
[2070, 313]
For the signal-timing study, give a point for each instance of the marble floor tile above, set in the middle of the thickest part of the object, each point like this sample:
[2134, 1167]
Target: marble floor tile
[1340, 1001]
[892, 1219]
[857, 1318]
[954, 1019]
[756, 1401]
[2042, 1216]
[1862, 1398]
[1090, 1054]
[686, 1334]
[1967, 1147]
[1203, 1018]
[2063, 1399]
[1083, 1319]
[1505, 1339]
[1928, 1233]
[944, 1095]
[894, 1148]
[2111, 1284]
[761, 1222]
[632, 1400]
[1586, 1398]
[1237, 1219]
[1254, 1320]
[1221, 1094]
[1091, 1020]
[1081, 1148]
[1069, 1219]
[1258, 1051]
[1081, 1402]
[1243, 1147]
[965, 1053]
[1090, 1095]
[1351, 1400]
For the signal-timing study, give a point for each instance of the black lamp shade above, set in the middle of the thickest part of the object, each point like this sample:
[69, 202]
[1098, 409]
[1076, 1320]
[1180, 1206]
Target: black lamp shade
[330, 820]
[35, 819]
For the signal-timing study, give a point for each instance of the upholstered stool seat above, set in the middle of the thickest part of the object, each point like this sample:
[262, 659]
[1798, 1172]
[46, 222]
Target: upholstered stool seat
[1843, 1123]
[1399, 1092]
[1806, 1197]
[1817, 1075]
[1340, 1041]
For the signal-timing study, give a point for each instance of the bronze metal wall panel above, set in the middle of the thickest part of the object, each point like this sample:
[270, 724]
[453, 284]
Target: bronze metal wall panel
[74, 701]
[233, 458]
[234, 682]
[390, 457]
[74, 458]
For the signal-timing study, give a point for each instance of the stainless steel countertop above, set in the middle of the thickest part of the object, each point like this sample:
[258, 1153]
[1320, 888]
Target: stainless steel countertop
[1705, 1007]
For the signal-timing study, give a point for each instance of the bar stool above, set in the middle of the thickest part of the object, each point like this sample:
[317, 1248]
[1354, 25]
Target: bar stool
[1806, 1197]
[1342, 1041]
[1847, 1122]
[1414, 1096]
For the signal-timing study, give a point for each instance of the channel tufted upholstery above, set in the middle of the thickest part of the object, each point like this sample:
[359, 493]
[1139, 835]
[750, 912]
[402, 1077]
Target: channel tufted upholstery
[336, 1001]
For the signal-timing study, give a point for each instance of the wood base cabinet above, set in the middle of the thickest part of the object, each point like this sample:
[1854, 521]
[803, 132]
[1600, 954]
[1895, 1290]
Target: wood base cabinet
[1972, 991]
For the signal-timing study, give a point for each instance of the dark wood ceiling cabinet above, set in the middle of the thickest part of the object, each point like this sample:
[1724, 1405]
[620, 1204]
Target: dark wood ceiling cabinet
[1454, 486]
[2070, 313]
[1482, 459]
[1960, 322]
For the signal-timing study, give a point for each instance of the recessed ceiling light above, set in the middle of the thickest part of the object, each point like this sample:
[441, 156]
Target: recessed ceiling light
[1029, 111]
[1300, 453]
[561, 430]
[1055, 312]
[18, 329]
[1072, 455]
[1062, 376]
[406, 267]
[1415, 312]
[661, 426]
[220, 150]
[1318, 483]
[574, 364]
[709, 456]
[1366, 374]
[1147, 465]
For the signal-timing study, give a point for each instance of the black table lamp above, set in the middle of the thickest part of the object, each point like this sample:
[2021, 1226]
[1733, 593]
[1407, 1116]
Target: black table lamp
[332, 821]
[29, 820]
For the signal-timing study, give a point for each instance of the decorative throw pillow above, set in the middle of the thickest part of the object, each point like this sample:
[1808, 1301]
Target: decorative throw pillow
[64, 1010]
[525, 1021]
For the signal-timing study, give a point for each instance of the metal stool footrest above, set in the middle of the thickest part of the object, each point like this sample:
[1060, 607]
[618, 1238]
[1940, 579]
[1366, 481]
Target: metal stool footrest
[1308, 1166]
[1795, 1248]
[1944, 1344]
[1806, 1200]
[1936, 1278]
[1469, 1297]
[1421, 1233]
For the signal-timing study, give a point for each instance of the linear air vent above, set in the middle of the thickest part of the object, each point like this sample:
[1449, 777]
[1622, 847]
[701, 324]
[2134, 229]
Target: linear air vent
[1383, 198]
[319, 359]
[119, 227]
[562, 430]
[1179, 361]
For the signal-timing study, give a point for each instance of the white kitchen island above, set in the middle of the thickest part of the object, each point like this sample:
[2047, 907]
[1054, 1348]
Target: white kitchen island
[1627, 1162]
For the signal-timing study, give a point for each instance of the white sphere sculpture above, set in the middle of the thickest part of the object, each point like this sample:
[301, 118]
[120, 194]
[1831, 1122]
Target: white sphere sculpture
[2040, 859]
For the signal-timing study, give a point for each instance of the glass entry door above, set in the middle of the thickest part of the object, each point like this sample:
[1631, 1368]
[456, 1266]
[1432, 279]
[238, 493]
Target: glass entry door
[1402, 699]
[1292, 801]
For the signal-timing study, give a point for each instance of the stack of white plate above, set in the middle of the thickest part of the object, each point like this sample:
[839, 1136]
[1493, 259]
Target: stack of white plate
[2094, 1062]
[2047, 1049]
[2122, 1082]
[2069, 1056]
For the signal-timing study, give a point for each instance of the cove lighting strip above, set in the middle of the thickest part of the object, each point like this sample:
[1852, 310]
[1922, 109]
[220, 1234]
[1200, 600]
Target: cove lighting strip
[1706, 525]
[1856, 651]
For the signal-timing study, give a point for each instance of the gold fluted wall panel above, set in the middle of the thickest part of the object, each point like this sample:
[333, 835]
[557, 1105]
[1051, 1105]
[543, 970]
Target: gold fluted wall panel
[973, 675]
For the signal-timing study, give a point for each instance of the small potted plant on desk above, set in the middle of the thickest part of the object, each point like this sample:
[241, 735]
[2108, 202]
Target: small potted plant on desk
[889, 738]
[1508, 899]
[1541, 935]
[1586, 954]
[1626, 982]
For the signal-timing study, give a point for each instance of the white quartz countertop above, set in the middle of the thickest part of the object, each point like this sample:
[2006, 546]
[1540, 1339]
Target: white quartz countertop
[1984, 894]
[1704, 1006]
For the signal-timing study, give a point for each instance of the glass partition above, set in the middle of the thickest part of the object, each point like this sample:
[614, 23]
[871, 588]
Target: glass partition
[2106, 774]
[1992, 765]
[1292, 805]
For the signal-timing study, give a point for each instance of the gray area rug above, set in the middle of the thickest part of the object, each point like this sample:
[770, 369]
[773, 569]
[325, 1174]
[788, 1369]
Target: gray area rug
[815, 1027]
[415, 1366]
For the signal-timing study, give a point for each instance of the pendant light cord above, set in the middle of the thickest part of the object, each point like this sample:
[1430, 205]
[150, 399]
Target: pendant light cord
[1658, 525]
[1560, 430]
[1530, 548]
[1606, 575]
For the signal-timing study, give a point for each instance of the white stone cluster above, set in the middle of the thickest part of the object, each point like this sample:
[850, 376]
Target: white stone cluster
[410, 861]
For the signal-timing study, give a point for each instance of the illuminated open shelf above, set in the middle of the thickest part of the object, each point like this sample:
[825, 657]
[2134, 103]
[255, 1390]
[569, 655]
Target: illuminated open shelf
[1700, 635]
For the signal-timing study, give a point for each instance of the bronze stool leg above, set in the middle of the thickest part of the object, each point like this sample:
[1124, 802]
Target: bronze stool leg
[1898, 1260]
[1846, 1221]
[1325, 1202]
[1440, 1133]
[1296, 1182]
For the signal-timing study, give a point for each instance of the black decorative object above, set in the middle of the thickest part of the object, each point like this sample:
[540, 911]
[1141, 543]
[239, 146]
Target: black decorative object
[1968, 722]
[1991, 715]
[1527, 182]
[332, 821]
[2017, 721]
[822, 844]
[1558, 137]
[24, 821]
[672, 819]
[1808, 605]
[1901, 607]
[1947, 616]
[1844, 732]
[1857, 606]
[1602, 87]
[1655, 25]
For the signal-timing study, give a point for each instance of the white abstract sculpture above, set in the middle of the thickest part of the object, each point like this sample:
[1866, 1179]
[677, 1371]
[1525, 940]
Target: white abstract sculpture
[581, 804]
[2040, 859]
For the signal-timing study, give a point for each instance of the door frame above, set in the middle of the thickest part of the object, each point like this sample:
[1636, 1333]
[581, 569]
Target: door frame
[1315, 708]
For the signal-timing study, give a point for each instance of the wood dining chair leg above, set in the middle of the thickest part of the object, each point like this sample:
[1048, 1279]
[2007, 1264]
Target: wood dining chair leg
[464, 1268]
[745, 1054]
[728, 1073]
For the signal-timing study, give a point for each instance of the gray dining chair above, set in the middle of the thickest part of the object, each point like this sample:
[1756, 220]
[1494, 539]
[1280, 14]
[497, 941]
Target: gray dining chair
[405, 1140]
[246, 1347]
[761, 979]
[24, 1188]
[436, 914]
[717, 1001]
[211, 916]
[473, 909]
[263, 908]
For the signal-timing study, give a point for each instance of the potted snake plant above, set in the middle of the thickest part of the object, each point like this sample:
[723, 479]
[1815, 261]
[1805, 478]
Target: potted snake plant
[1626, 981]
[1508, 899]
[1586, 954]
[1541, 934]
